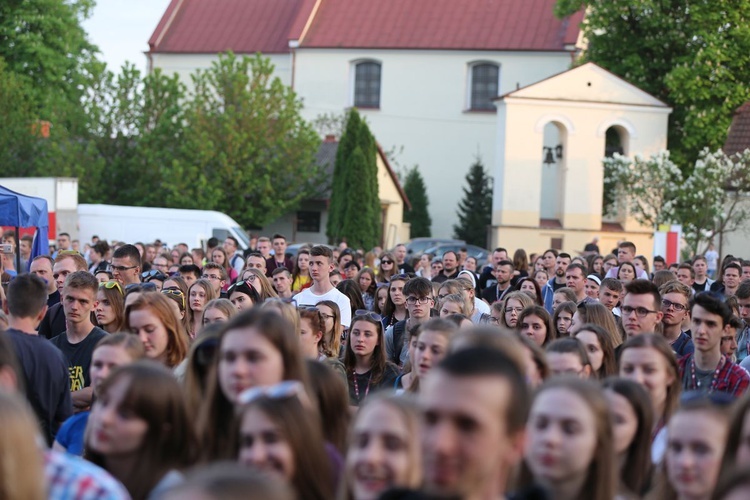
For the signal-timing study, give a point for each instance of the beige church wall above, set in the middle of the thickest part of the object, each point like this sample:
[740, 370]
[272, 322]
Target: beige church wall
[394, 229]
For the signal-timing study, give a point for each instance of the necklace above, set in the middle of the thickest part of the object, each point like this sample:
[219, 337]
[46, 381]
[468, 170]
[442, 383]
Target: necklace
[714, 379]
[356, 385]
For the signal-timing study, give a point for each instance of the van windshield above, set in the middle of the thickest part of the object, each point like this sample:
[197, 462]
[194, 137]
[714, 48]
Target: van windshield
[242, 236]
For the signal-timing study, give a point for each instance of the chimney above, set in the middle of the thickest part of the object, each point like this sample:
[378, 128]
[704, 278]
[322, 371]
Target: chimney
[330, 138]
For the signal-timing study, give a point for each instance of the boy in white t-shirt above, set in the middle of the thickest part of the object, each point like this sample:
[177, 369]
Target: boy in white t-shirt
[321, 264]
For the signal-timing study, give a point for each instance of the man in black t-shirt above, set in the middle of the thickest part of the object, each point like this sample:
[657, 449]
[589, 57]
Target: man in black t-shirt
[78, 341]
[44, 370]
[53, 323]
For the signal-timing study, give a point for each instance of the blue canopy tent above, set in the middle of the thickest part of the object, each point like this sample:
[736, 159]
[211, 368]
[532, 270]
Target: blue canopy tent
[19, 210]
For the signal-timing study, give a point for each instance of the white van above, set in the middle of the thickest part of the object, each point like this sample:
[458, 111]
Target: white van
[146, 224]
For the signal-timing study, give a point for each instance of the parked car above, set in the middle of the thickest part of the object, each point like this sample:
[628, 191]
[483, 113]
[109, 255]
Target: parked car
[481, 254]
[417, 246]
[291, 250]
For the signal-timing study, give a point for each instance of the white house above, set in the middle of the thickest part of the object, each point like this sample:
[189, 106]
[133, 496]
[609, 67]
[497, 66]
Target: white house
[424, 73]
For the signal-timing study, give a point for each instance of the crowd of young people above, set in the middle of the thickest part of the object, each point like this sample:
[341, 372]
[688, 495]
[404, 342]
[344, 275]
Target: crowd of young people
[147, 372]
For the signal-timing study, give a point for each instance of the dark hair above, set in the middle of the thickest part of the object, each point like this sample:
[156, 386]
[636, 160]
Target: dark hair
[379, 358]
[488, 362]
[297, 270]
[351, 289]
[505, 263]
[27, 295]
[687, 266]
[576, 265]
[278, 236]
[713, 305]
[190, 269]
[644, 287]
[542, 314]
[609, 362]
[421, 287]
[332, 395]
[564, 255]
[218, 267]
[322, 251]
[627, 244]
[101, 247]
[374, 280]
[569, 345]
[128, 251]
[628, 264]
[8, 358]
[230, 480]
[82, 280]
[154, 395]
[520, 260]
[743, 291]
[612, 284]
[732, 265]
[550, 250]
[230, 238]
[636, 471]
[567, 306]
[537, 291]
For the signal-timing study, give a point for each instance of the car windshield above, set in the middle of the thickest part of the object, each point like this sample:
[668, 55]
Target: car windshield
[242, 235]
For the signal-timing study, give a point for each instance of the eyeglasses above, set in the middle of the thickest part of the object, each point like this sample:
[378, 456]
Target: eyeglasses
[641, 312]
[175, 292]
[250, 278]
[666, 304]
[516, 310]
[494, 320]
[413, 300]
[120, 269]
[367, 314]
[110, 285]
[442, 296]
[386, 261]
[400, 277]
[234, 286]
[210, 277]
[282, 390]
[141, 287]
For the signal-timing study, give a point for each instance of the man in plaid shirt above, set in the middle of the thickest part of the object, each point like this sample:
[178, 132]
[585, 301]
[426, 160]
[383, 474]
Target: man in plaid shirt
[707, 370]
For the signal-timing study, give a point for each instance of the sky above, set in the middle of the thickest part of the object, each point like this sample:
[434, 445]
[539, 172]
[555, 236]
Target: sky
[121, 29]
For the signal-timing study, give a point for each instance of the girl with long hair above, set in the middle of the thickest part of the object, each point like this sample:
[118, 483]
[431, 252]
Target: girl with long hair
[649, 360]
[385, 451]
[563, 318]
[219, 256]
[332, 397]
[243, 296]
[595, 264]
[313, 342]
[599, 348]
[280, 435]
[395, 304]
[536, 323]
[152, 319]
[175, 289]
[301, 278]
[433, 339]
[258, 280]
[530, 287]
[368, 282]
[255, 348]
[112, 351]
[199, 294]
[353, 292]
[453, 303]
[512, 305]
[632, 421]
[737, 452]
[218, 311]
[381, 298]
[626, 273]
[333, 329]
[697, 438]
[596, 313]
[520, 264]
[570, 447]
[365, 360]
[387, 267]
[110, 307]
[139, 429]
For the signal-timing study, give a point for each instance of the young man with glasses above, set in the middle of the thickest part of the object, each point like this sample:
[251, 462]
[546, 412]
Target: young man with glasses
[321, 265]
[126, 265]
[161, 264]
[217, 276]
[675, 297]
[707, 370]
[419, 303]
[641, 308]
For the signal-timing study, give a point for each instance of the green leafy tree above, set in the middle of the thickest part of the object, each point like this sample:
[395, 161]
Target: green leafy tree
[658, 193]
[475, 209]
[693, 55]
[246, 149]
[418, 216]
[354, 209]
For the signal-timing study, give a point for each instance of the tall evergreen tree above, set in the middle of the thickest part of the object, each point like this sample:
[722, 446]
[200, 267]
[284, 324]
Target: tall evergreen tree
[418, 216]
[475, 209]
[354, 210]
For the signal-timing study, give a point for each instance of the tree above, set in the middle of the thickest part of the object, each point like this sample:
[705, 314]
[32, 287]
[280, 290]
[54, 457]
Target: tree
[354, 209]
[475, 209]
[416, 192]
[707, 203]
[693, 55]
[246, 149]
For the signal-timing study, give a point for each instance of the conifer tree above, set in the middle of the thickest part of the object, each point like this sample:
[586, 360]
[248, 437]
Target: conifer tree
[475, 209]
[418, 216]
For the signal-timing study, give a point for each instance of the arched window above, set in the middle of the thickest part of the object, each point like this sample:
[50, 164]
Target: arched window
[367, 84]
[485, 80]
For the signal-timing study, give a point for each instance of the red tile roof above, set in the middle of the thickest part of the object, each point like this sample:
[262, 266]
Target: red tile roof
[442, 24]
[243, 26]
[738, 139]
[247, 26]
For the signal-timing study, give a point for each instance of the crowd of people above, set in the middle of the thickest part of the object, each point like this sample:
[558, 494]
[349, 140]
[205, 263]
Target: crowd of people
[147, 372]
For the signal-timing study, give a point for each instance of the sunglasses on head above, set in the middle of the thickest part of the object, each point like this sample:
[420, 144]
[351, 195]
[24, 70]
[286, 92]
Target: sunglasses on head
[175, 292]
[110, 285]
[400, 277]
[282, 390]
[140, 287]
[364, 313]
[153, 274]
